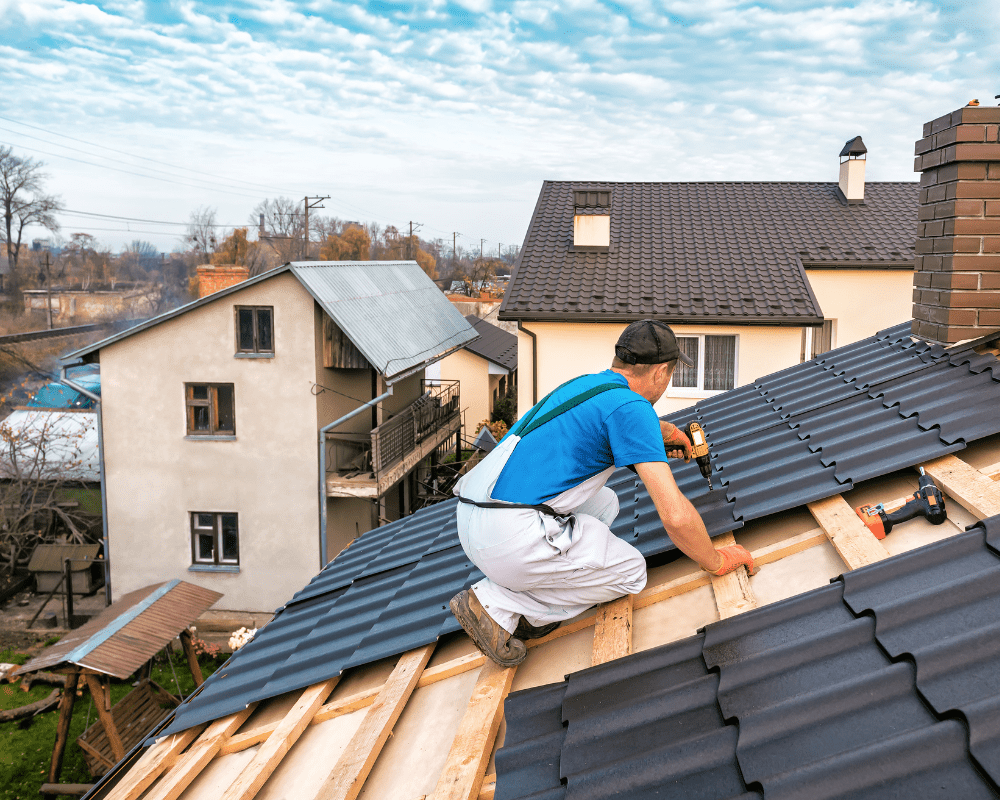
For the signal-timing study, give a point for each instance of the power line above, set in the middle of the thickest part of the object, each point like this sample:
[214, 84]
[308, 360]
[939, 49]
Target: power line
[149, 221]
[132, 155]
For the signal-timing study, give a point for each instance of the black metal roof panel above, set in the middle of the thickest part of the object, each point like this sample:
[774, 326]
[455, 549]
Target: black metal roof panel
[847, 691]
[802, 434]
[494, 343]
[704, 251]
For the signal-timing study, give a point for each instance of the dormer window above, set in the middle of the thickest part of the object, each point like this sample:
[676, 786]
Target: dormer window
[592, 219]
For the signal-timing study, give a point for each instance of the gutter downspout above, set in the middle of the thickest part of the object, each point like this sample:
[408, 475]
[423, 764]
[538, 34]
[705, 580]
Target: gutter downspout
[322, 468]
[104, 490]
[534, 362]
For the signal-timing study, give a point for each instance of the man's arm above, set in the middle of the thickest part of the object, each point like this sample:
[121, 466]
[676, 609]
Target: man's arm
[684, 524]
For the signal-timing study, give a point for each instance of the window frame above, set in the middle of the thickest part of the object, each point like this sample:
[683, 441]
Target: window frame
[212, 403]
[699, 391]
[257, 351]
[195, 530]
[822, 339]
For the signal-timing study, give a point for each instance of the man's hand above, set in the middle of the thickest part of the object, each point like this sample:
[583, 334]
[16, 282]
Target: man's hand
[675, 441]
[732, 557]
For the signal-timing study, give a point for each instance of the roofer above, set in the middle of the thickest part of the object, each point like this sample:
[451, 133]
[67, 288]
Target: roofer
[535, 513]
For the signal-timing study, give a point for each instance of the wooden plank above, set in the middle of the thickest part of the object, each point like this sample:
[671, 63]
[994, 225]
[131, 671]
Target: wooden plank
[349, 773]
[243, 741]
[968, 486]
[62, 727]
[464, 769]
[449, 669]
[992, 471]
[93, 752]
[192, 657]
[102, 702]
[489, 787]
[733, 594]
[190, 765]
[613, 630]
[253, 776]
[850, 537]
[153, 762]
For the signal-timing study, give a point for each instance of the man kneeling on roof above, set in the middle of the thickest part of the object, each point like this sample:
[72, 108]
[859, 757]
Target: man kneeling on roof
[535, 513]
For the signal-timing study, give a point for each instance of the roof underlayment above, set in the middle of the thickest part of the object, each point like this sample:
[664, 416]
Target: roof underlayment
[883, 684]
[791, 438]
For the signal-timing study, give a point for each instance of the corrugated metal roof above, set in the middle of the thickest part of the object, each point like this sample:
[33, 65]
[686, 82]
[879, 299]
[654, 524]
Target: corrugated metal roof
[390, 310]
[130, 631]
[364, 297]
[847, 691]
[59, 445]
[806, 434]
[706, 251]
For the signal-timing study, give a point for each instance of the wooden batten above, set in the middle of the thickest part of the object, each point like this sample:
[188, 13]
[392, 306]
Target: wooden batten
[733, 594]
[849, 535]
[968, 486]
[339, 352]
[613, 630]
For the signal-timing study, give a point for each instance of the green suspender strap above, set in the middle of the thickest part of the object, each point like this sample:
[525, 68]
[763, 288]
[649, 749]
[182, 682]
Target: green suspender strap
[531, 423]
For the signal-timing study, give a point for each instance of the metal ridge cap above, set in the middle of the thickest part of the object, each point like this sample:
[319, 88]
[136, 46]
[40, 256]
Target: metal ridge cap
[678, 319]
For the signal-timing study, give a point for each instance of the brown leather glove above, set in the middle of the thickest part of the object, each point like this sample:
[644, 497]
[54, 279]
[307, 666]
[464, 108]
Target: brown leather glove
[734, 556]
[675, 441]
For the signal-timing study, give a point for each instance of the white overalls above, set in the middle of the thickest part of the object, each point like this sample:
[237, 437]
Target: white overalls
[545, 568]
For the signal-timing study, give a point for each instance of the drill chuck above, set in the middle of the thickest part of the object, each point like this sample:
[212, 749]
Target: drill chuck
[699, 449]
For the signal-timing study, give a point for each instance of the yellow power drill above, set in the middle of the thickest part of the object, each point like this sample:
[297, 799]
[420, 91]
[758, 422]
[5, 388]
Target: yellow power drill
[699, 449]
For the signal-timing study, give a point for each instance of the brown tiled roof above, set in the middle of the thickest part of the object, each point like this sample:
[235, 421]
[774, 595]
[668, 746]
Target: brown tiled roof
[494, 344]
[706, 252]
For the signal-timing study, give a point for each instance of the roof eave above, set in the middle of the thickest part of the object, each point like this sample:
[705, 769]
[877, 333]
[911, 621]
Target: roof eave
[570, 316]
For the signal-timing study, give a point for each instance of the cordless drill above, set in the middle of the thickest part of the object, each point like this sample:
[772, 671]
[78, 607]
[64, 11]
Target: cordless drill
[927, 501]
[699, 449]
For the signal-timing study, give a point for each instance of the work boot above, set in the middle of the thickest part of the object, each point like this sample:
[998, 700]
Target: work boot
[495, 643]
[525, 630]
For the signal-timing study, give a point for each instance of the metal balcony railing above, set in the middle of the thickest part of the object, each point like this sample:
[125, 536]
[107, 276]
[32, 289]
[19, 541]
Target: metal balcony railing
[374, 455]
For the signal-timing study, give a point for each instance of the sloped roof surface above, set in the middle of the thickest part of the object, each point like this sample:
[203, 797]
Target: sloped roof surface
[494, 344]
[812, 696]
[687, 252]
[130, 631]
[364, 297]
[799, 435]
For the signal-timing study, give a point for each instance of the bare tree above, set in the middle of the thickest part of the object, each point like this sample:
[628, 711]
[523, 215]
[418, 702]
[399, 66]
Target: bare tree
[23, 201]
[200, 236]
[43, 456]
[283, 226]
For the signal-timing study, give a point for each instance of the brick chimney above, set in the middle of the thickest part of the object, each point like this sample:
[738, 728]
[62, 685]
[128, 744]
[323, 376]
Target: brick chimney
[215, 279]
[956, 285]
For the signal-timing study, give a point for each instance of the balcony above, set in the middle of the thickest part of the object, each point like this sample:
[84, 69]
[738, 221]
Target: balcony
[367, 465]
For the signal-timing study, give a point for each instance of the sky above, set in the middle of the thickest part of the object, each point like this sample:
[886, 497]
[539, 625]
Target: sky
[451, 114]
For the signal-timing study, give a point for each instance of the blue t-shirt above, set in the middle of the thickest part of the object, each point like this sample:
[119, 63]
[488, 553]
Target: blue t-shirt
[616, 428]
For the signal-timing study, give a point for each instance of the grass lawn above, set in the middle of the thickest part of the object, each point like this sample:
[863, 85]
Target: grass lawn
[25, 753]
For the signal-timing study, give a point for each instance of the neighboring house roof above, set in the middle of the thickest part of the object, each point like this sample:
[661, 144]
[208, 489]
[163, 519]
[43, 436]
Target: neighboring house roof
[705, 252]
[800, 435]
[52, 557]
[390, 310]
[55, 445]
[494, 344]
[57, 395]
[850, 690]
[130, 631]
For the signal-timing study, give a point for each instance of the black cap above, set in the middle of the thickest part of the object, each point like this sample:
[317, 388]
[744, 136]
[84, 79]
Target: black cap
[649, 341]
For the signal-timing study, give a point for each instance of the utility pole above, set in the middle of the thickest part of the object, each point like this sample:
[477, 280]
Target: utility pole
[409, 242]
[481, 249]
[454, 250]
[305, 203]
[48, 290]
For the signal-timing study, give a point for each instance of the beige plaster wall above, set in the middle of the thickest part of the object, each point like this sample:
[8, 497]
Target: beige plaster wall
[568, 349]
[472, 372]
[862, 302]
[267, 475]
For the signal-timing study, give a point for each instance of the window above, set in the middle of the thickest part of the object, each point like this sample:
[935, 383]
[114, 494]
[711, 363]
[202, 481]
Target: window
[816, 341]
[714, 367]
[215, 539]
[211, 409]
[254, 330]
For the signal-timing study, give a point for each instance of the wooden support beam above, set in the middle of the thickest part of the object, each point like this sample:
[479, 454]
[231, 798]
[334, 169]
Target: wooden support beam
[349, 773]
[463, 773]
[192, 657]
[489, 787]
[613, 630]
[253, 776]
[850, 537]
[67, 789]
[733, 594]
[968, 486]
[62, 727]
[102, 702]
[190, 765]
[152, 763]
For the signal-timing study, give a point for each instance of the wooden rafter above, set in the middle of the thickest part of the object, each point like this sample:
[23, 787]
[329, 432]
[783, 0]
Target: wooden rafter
[613, 630]
[463, 773]
[349, 773]
[733, 594]
[967, 485]
[851, 538]
[152, 764]
[253, 776]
